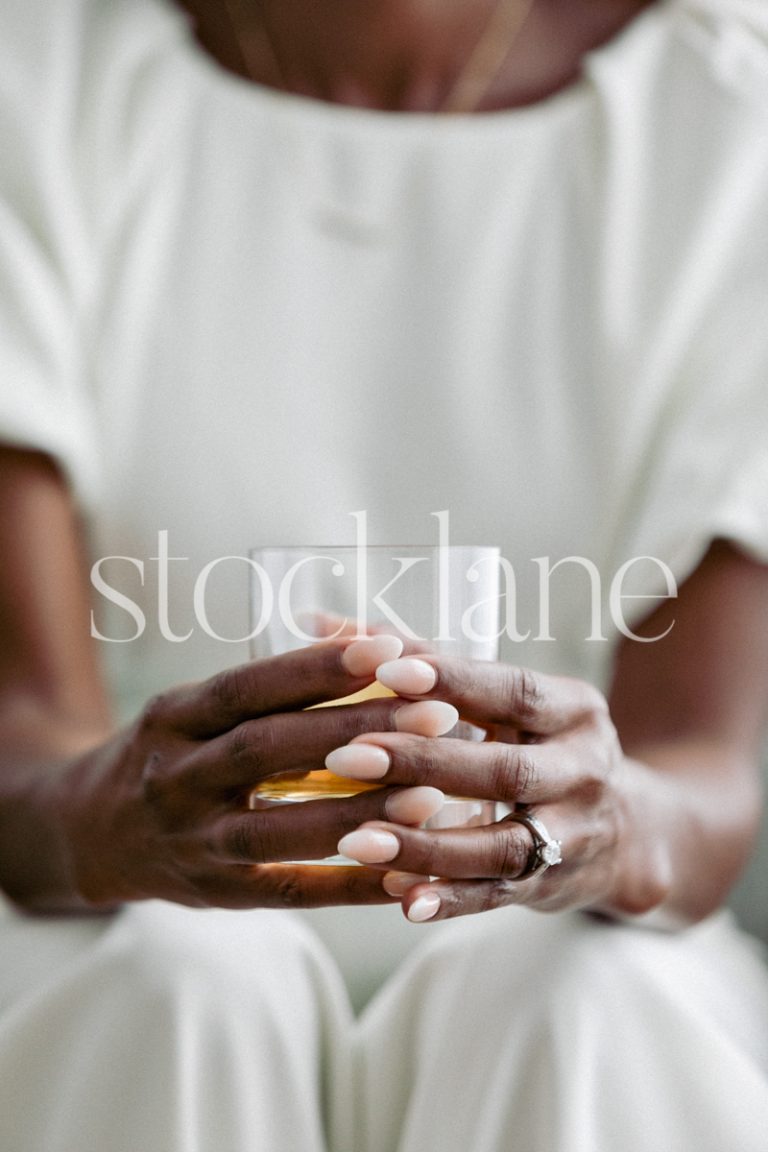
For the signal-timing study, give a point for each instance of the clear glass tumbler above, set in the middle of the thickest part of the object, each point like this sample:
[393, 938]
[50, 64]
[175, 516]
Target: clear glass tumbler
[437, 598]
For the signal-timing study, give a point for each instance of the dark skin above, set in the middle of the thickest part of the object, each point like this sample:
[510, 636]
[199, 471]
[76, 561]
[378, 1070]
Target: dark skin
[91, 816]
[656, 801]
[403, 54]
[653, 792]
[656, 791]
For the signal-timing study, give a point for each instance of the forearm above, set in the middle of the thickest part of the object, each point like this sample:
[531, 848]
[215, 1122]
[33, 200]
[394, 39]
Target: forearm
[38, 751]
[692, 809]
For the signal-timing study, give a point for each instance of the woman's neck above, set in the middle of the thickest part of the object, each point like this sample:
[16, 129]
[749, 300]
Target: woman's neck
[401, 54]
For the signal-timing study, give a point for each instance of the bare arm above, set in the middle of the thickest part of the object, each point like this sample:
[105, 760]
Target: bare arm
[692, 709]
[53, 704]
[49, 677]
[91, 816]
[655, 800]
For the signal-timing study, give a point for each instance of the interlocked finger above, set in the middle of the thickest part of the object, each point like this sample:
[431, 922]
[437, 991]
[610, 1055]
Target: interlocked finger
[490, 770]
[298, 742]
[443, 900]
[310, 830]
[291, 886]
[319, 672]
[496, 694]
[501, 850]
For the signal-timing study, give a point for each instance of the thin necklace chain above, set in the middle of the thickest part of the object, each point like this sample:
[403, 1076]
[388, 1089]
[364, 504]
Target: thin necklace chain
[487, 57]
[473, 82]
[234, 11]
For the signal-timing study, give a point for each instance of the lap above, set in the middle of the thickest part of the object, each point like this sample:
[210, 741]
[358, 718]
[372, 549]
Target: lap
[519, 1030]
[162, 1027]
[165, 1027]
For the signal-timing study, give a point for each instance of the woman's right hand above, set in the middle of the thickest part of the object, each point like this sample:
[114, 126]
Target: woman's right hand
[161, 810]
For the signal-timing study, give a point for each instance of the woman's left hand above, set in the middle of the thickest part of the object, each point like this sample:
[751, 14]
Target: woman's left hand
[552, 751]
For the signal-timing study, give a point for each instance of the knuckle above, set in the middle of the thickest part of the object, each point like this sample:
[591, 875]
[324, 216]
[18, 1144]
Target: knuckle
[468, 899]
[243, 742]
[266, 843]
[646, 894]
[610, 743]
[595, 708]
[427, 852]
[594, 699]
[348, 887]
[523, 774]
[509, 852]
[495, 895]
[527, 695]
[229, 691]
[289, 891]
[589, 773]
[503, 771]
[596, 770]
[155, 713]
[603, 757]
[426, 756]
[592, 787]
[239, 744]
[162, 787]
[469, 675]
[597, 838]
[244, 842]
[153, 777]
[251, 743]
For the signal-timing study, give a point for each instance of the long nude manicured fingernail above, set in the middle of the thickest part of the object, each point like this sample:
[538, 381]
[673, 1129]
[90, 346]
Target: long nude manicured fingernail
[369, 846]
[414, 805]
[424, 907]
[426, 718]
[359, 762]
[408, 675]
[398, 883]
[363, 656]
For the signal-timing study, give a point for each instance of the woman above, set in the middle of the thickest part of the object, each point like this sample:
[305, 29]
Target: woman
[249, 288]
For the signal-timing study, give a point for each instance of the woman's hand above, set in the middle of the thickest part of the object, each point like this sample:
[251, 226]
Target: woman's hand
[552, 747]
[162, 809]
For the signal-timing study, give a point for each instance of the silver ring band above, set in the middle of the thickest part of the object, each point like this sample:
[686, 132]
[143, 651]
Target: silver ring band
[545, 851]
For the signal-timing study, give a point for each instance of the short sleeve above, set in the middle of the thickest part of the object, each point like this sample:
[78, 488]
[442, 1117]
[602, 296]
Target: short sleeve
[45, 262]
[708, 477]
[699, 435]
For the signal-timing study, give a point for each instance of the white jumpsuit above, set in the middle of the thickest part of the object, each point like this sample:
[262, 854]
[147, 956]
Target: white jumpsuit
[237, 317]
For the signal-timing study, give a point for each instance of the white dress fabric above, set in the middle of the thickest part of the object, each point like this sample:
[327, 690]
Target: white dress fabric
[237, 318]
[524, 1032]
[160, 1029]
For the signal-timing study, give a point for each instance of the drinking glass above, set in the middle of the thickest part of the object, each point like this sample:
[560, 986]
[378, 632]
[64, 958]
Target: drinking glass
[437, 598]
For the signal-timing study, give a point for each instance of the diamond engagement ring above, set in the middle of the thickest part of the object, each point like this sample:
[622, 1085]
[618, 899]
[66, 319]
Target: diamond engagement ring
[545, 851]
